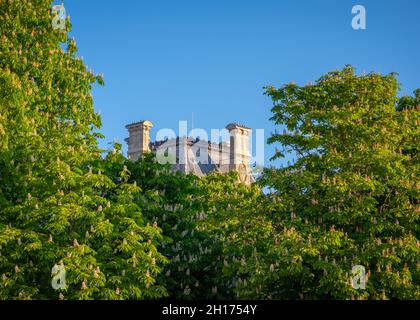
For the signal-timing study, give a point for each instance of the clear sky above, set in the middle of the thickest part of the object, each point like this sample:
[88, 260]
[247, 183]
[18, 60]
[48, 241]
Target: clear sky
[165, 59]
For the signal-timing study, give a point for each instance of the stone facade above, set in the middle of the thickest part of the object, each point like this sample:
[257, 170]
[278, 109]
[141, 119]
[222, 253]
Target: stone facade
[195, 156]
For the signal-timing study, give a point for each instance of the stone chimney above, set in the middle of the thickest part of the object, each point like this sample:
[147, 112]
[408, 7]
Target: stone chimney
[139, 139]
[240, 155]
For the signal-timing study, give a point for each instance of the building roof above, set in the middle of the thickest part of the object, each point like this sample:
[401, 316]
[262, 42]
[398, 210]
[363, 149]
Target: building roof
[234, 125]
[139, 123]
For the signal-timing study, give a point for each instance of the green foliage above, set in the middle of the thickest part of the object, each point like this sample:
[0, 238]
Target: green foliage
[210, 225]
[349, 199]
[235, 217]
[351, 196]
[137, 230]
[173, 201]
[60, 202]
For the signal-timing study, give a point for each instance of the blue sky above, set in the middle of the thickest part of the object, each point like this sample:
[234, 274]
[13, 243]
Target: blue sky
[164, 60]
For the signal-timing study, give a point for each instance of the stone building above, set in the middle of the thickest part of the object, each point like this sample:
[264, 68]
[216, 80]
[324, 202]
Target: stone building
[195, 156]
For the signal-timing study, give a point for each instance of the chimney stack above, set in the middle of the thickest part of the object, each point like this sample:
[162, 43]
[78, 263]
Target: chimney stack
[139, 139]
[239, 150]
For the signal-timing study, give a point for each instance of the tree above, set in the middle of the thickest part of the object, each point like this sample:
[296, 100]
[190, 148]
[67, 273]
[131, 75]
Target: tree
[351, 195]
[136, 230]
[210, 226]
[168, 201]
[234, 215]
[184, 207]
[58, 204]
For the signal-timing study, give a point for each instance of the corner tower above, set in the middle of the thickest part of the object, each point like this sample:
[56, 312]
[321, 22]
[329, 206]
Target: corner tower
[138, 139]
[240, 155]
